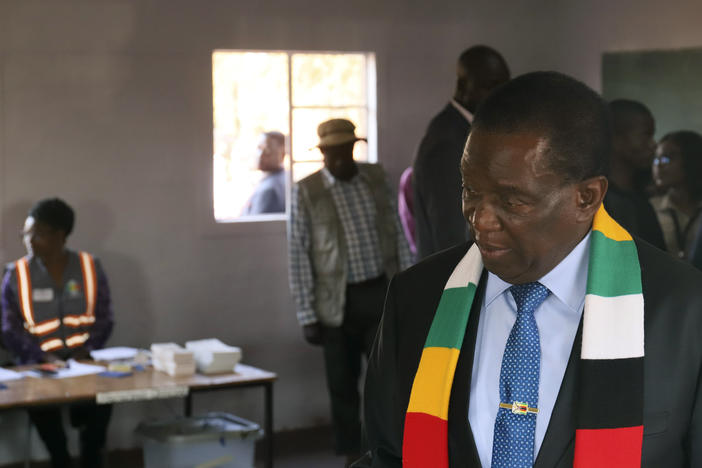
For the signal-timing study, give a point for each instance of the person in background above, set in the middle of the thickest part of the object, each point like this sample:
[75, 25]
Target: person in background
[269, 194]
[437, 183]
[345, 242]
[405, 206]
[677, 172]
[56, 306]
[633, 148]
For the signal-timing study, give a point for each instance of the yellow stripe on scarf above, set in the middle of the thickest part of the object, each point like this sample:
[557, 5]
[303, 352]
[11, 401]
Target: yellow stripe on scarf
[431, 390]
[609, 227]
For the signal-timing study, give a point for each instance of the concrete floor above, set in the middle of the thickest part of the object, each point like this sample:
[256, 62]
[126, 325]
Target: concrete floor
[306, 448]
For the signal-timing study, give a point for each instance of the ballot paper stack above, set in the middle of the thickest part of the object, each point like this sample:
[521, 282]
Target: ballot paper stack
[172, 359]
[214, 357]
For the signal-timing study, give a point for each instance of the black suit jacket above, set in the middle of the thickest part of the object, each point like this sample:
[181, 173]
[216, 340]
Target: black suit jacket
[634, 212]
[436, 181]
[672, 365]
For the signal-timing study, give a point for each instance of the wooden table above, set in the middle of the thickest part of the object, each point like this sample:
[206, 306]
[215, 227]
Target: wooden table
[146, 385]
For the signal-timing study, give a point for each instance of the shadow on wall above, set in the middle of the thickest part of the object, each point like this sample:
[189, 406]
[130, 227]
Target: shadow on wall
[12, 220]
[131, 304]
[13, 217]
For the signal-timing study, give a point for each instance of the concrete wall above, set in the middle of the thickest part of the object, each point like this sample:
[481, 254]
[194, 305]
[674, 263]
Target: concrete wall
[108, 105]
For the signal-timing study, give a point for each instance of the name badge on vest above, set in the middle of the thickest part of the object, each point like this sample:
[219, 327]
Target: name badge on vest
[43, 295]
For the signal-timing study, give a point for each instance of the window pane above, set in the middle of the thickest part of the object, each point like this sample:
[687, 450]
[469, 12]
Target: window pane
[301, 170]
[250, 93]
[304, 128]
[329, 79]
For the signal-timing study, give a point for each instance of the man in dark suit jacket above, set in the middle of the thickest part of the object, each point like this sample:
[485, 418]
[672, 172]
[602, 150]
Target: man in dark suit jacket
[533, 180]
[633, 148]
[436, 179]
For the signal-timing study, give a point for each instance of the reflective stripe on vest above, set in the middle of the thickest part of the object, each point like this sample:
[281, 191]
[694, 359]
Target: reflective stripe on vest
[77, 340]
[87, 264]
[78, 320]
[24, 286]
[44, 327]
[50, 345]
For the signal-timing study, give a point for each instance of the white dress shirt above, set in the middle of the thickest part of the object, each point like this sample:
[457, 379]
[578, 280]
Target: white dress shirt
[463, 111]
[557, 317]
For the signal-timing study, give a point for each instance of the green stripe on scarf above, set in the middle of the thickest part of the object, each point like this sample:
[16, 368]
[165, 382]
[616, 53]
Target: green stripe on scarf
[451, 318]
[614, 267]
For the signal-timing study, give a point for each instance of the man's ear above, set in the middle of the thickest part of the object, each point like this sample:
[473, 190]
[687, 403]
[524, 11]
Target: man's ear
[590, 193]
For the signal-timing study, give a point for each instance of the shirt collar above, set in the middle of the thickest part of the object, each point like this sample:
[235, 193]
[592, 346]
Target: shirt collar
[567, 280]
[665, 202]
[327, 177]
[464, 112]
[329, 180]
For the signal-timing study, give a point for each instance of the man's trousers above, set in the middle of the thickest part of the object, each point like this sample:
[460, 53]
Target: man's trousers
[343, 350]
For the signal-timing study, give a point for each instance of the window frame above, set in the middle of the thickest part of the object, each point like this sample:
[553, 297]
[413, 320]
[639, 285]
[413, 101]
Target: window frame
[276, 223]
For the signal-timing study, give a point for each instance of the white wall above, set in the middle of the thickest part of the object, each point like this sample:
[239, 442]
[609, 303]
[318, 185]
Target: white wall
[108, 105]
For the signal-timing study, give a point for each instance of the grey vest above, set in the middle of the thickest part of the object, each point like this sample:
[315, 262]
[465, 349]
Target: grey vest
[59, 317]
[328, 249]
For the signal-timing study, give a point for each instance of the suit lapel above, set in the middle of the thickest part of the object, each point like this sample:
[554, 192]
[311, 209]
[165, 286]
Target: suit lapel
[462, 450]
[558, 446]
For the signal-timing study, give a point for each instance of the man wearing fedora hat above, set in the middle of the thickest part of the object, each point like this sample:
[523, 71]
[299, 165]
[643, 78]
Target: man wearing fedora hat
[345, 242]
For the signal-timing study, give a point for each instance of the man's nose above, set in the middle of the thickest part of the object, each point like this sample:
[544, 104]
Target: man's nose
[484, 219]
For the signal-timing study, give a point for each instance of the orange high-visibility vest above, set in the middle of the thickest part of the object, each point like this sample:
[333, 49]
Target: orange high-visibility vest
[46, 330]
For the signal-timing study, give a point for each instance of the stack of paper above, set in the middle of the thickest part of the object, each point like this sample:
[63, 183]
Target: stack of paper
[213, 357]
[117, 353]
[172, 359]
[73, 369]
[6, 375]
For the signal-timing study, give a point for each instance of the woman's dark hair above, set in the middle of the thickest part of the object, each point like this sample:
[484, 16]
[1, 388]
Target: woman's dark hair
[55, 213]
[690, 145]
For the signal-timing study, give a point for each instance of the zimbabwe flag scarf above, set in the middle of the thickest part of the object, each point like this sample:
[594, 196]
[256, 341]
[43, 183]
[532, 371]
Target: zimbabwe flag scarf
[609, 429]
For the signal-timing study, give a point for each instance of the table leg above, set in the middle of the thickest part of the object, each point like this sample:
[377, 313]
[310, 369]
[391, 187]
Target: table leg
[268, 423]
[188, 404]
[28, 444]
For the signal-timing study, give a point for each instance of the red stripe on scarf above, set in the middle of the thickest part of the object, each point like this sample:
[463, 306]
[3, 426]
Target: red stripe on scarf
[605, 448]
[425, 442]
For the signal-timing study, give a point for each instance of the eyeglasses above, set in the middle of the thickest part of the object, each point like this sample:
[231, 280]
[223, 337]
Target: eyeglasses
[662, 160]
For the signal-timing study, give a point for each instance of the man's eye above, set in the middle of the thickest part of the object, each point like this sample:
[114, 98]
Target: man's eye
[514, 203]
[468, 192]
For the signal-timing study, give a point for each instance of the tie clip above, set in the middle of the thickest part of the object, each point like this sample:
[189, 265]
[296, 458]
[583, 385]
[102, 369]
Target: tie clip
[519, 408]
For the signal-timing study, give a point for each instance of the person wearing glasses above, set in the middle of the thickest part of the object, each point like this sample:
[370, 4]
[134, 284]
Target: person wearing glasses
[56, 306]
[677, 171]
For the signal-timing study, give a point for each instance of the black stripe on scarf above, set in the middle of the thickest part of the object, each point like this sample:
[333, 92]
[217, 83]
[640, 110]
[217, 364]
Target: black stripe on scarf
[610, 393]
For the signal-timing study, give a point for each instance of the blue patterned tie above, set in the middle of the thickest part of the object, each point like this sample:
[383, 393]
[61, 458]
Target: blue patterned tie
[513, 444]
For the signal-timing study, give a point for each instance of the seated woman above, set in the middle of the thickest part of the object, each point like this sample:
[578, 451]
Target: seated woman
[56, 306]
[677, 171]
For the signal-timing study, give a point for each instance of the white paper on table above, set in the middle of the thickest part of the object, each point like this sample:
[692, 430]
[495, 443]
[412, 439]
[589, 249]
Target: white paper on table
[117, 353]
[73, 369]
[6, 375]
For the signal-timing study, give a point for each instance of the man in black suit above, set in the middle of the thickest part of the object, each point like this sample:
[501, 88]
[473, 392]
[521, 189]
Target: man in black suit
[633, 148]
[534, 178]
[436, 180]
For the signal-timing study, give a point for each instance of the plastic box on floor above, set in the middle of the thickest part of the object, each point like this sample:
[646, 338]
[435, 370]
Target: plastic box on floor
[215, 440]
